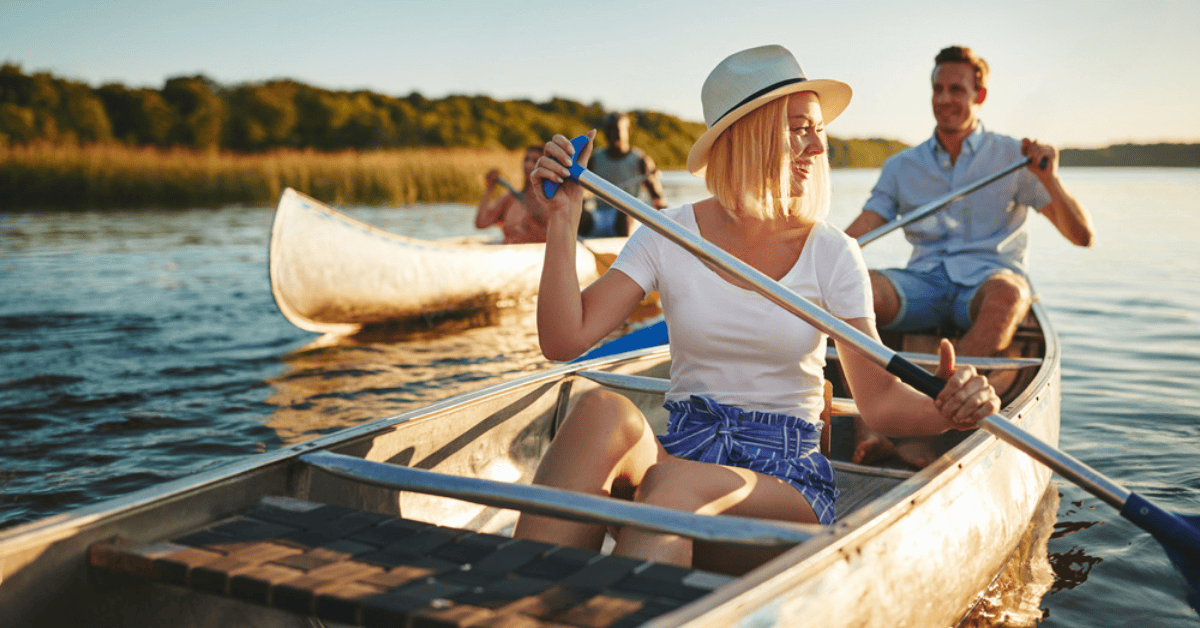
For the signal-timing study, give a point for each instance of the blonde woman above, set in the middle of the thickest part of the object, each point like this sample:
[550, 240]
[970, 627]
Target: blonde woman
[746, 376]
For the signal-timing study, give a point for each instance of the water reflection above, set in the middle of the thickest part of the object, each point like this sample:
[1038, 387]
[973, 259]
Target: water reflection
[1015, 597]
[1071, 568]
[336, 382]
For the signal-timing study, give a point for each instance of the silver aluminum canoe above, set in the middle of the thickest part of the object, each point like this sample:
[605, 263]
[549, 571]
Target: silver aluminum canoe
[333, 274]
[910, 549]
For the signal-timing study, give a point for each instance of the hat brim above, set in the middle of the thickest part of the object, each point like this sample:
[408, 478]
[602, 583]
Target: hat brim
[834, 96]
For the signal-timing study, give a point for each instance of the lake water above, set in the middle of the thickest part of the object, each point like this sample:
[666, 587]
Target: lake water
[138, 347]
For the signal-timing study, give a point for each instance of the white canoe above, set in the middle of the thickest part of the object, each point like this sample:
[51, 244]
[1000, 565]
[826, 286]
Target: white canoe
[333, 274]
[909, 549]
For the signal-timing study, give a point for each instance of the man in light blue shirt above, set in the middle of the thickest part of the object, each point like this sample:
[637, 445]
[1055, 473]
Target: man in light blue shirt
[968, 264]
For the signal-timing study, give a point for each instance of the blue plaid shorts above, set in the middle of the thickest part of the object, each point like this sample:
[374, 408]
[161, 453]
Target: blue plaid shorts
[778, 445]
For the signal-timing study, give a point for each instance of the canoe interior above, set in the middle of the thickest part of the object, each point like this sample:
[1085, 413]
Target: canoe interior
[499, 433]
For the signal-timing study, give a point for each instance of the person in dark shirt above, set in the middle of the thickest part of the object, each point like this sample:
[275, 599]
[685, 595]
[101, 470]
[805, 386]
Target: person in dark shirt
[626, 167]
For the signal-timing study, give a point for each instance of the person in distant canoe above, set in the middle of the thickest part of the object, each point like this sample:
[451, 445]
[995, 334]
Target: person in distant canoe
[519, 218]
[747, 377]
[968, 265]
[626, 167]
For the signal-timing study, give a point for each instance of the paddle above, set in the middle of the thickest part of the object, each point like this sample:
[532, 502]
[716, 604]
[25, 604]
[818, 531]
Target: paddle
[657, 334]
[508, 186]
[1178, 534]
[941, 202]
[603, 260]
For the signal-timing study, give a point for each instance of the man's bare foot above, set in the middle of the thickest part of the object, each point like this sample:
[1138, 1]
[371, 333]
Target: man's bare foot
[918, 452]
[872, 447]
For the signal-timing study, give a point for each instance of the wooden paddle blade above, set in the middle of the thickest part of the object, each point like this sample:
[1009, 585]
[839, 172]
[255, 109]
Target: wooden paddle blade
[549, 187]
[1178, 534]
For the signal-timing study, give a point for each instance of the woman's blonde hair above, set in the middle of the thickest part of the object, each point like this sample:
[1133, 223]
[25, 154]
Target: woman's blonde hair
[750, 168]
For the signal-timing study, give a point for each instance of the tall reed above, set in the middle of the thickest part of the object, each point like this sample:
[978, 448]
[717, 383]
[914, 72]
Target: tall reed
[117, 176]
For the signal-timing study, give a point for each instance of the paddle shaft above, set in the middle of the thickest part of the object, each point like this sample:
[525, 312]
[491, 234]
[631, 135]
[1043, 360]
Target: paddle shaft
[940, 203]
[508, 186]
[1059, 461]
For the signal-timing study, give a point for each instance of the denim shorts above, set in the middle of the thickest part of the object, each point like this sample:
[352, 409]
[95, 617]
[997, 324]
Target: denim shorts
[929, 299]
[778, 445]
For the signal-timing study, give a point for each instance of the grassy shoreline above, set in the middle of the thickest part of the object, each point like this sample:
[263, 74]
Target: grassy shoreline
[113, 176]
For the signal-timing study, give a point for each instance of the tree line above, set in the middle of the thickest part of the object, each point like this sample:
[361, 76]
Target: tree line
[195, 112]
[1162, 155]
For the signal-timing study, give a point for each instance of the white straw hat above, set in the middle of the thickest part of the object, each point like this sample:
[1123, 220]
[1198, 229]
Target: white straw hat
[749, 79]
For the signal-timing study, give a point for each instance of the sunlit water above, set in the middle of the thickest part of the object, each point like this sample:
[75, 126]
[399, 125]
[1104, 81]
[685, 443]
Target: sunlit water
[137, 347]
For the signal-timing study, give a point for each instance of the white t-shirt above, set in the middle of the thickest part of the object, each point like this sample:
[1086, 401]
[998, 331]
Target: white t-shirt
[732, 344]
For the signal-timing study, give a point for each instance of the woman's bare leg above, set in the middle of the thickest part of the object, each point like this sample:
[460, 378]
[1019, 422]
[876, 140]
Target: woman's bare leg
[604, 447]
[708, 489]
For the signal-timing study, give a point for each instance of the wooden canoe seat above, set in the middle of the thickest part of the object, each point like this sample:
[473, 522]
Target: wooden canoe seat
[369, 569]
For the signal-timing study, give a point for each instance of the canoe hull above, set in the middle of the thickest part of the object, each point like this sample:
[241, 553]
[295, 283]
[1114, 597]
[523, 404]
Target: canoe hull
[333, 274]
[922, 554]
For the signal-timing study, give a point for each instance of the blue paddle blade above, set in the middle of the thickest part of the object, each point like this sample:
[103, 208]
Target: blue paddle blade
[549, 187]
[1190, 569]
[650, 336]
[1178, 534]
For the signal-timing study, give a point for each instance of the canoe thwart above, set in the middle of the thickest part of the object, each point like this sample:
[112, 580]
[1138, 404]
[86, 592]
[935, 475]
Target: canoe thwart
[369, 569]
[543, 500]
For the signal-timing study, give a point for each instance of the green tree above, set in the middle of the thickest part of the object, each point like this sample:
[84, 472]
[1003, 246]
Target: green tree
[17, 123]
[139, 117]
[200, 111]
[84, 114]
[262, 116]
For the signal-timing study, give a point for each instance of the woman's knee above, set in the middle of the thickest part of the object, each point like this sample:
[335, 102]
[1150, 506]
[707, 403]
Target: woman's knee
[667, 485]
[602, 413]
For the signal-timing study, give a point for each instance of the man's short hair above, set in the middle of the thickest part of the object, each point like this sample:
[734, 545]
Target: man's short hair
[611, 120]
[962, 54]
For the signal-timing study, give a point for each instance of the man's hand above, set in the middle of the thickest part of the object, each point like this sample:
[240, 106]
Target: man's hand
[1036, 152]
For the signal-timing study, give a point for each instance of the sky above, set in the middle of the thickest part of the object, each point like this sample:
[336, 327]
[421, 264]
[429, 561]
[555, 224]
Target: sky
[1074, 73]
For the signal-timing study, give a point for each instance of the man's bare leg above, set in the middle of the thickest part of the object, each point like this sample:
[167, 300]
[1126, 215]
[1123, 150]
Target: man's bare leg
[999, 305]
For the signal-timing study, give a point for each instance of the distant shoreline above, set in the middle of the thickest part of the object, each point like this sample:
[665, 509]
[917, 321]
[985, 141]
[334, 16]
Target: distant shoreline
[197, 143]
[1134, 156]
[114, 176]
[121, 177]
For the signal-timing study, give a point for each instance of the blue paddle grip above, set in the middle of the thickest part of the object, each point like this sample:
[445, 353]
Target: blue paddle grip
[915, 376]
[550, 187]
